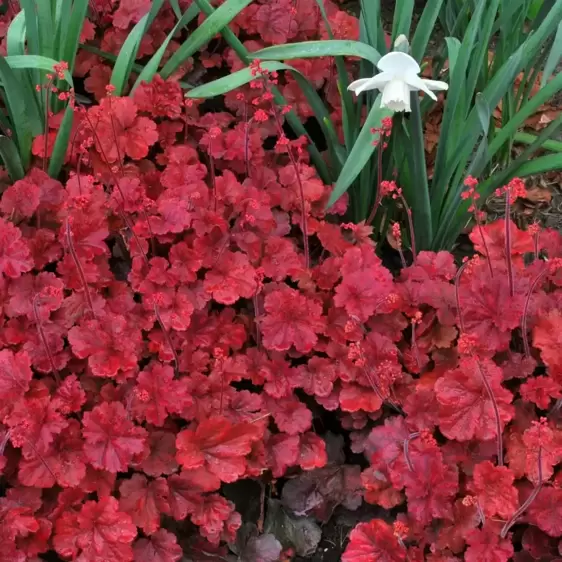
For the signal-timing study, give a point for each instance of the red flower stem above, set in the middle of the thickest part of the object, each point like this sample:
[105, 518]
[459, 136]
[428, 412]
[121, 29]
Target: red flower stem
[304, 225]
[378, 198]
[536, 244]
[44, 338]
[415, 346]
[248, 123]
[410, 227]
[499, 437]
[128, 224]
[402, 258]
[406, 447]
[509, 262]
[79, 267]
[46, 130]
[458, 297]
[485, 244]
[535, 282]
[489, 391]
[525, 505]
[256, 321]
[167, 338]
[212, 174]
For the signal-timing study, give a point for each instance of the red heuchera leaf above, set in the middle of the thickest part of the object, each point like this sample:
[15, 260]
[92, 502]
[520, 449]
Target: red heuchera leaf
[98, 532]
[211, 514]
[231, 278]
[494, 235]
[547, 336]
[186, 488]
[120, 131]
[144, 501]
[130, 11]
[544, 443]
[218, 445]
[291, 319]
[15, 375]
[22, 198]
[540, 391]
[430, 485]
[162, 457]
[283, 451]
[485, 545]
[61, 462]
[15, 256]
[161, 98]
[112, 440]
[494, 488]
[546, 511]
[158, 394]
[465, 409]
[290, 415]
[374, 541]
[108, 343]
[159, 547]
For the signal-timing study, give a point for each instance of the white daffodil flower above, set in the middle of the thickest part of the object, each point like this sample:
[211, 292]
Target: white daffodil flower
[398, 77]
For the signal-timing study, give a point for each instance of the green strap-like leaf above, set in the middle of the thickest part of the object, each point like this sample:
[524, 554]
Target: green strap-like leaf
[312, 49]
[554, 57]
[128, 53]
[402, 20]
[72, 36]
[220, 18]
[361, 152]
[15, 38]
[14, 99]
[61, 143]
[11, 158]
[425, 28]
[151, 67]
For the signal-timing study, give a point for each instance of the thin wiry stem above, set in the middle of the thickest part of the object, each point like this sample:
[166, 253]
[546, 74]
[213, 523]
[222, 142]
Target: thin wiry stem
[489, 391]
[524, 335]
[508, 259]
[167, 338]
[79, 267]
[491, 396]
[406, 448]
[43, 338]
[525, 505]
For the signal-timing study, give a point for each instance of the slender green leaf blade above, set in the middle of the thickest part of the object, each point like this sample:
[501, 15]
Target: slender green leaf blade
[372, 21]
[425, 28]
[403, 12]
[361, 152]
[554, 57]
[35, 62]
[15, 39]
[219, 19]
[11, 158]
[45, 27]
[61, 143]
[151, 67]
[312, 49]
[72, 35]
[14, 100]
[128, 54]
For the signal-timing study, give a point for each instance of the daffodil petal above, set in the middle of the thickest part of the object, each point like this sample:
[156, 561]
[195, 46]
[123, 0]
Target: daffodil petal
[375, 83]
[398, 64]
[416, 83]
[396, 96]
[436, 85]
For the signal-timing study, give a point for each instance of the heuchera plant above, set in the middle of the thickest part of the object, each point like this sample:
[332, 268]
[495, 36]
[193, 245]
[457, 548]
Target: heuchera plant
[178, 310]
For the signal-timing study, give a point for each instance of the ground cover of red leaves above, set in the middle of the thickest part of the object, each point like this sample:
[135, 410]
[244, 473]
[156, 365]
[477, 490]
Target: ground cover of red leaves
[179, 310]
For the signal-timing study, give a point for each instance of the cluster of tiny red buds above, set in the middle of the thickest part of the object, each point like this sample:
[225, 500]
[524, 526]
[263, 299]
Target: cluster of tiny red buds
[401, 530]
[467, 344]
[397, 233]
[355, 354]
[416, 318]
[260, 276]
[215, 133]
[383, 132]
[61, 69]
[469, 501]
[389, 188]
[534, 228]
[110, 89]
[219, 356]
[470, 193]
[515, 188]
[426, 437]
[471, 263]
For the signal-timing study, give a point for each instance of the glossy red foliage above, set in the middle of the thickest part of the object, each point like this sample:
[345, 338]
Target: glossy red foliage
[180, 309]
